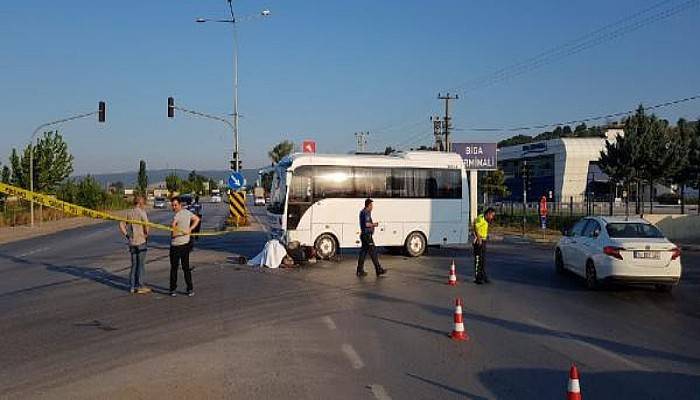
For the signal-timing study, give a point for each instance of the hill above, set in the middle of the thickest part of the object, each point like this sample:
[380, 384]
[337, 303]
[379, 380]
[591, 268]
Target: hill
[157, 176]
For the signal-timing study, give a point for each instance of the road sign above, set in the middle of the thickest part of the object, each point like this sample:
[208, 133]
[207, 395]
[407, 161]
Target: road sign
[236, 181]
[477, 156]
[309, 146]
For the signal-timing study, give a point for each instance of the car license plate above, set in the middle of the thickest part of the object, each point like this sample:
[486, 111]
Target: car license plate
[655, 255]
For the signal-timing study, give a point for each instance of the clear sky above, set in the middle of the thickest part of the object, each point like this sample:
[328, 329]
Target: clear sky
[321, 70]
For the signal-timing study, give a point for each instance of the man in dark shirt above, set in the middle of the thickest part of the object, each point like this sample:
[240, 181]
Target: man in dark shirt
[366, 231]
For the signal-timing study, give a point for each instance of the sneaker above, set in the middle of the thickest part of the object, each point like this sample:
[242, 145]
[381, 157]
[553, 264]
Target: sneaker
[143, 290]
[190, 293]
[381, 271]
[173, 294]
[361, 274]
[132, 291]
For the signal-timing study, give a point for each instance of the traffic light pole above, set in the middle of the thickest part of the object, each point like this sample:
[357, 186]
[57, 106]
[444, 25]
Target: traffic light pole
[100, 113]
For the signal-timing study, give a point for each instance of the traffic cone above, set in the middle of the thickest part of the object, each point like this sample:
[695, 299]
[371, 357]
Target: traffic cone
[452, 280]
[459, 333]
[574, 390]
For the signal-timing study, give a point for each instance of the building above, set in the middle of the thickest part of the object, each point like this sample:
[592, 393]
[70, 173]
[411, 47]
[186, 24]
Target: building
[560, 169]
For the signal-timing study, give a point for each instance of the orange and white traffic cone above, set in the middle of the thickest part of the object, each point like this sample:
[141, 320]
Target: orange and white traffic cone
[452, 280]
[574, 390]
[459, 333]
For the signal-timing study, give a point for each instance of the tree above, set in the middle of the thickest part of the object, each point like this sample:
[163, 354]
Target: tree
[280, 151]
[173, 183]
[52, 163]
[494, 184]
[6, 175]
[616, 161]
[117, 188]
[89, 193]
[682, 142]
[388, 150]
[142, 185]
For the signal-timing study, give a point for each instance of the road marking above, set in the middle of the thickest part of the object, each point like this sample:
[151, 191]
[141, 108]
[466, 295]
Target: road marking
[35, 251]
[329, 323]
[591, 346]
[379, 392]
[352, 355]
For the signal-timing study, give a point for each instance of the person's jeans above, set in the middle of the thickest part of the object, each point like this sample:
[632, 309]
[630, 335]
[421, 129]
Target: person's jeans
[480, 262]
[367, 247]
[180, 255]
[137, 276]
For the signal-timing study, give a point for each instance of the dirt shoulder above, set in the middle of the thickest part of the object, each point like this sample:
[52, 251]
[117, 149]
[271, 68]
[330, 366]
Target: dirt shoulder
[17, 233]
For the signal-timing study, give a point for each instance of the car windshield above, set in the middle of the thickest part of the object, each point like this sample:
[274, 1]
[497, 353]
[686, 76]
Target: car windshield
[633, 230]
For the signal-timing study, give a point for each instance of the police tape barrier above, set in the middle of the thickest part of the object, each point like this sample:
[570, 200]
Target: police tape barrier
[79, 211]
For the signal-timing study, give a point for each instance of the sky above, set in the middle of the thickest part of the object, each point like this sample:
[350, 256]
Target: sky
[323, 70]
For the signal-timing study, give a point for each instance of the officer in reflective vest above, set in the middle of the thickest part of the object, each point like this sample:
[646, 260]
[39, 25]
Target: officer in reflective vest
[481, 233]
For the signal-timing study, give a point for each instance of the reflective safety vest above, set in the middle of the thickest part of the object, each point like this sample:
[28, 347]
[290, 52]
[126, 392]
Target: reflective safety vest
[481, 226]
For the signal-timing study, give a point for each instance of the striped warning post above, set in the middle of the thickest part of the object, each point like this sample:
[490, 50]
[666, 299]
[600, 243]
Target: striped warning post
[237, 208]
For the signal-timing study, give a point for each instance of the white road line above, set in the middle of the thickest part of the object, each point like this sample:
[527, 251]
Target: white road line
[35, 251]
[329, 323]
[591, 346]
[379, 392]
[352, 355]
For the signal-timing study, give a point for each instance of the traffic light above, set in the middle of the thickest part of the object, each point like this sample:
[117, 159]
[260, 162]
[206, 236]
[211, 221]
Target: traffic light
[101, 111]
[233, 165]
[527, 181]
[171, 107]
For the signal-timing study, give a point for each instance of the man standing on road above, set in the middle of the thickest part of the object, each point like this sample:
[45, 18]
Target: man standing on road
[481, 233]
[137, 236]
[183, 224]
[366, 231]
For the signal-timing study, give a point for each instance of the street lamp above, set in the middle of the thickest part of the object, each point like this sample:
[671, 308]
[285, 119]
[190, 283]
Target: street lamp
[101, 115]
[233, 21]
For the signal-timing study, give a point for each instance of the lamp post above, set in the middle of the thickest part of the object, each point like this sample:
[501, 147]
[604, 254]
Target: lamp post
[233, 21]
[101, 112]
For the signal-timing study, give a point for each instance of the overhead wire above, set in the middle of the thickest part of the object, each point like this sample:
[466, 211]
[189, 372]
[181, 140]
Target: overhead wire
[583, 120]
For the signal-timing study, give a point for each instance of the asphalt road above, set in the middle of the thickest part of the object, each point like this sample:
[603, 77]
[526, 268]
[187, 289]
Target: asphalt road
[70, 330]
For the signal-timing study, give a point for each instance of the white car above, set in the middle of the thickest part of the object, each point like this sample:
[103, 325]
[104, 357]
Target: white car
[216, 198]
[618, 249]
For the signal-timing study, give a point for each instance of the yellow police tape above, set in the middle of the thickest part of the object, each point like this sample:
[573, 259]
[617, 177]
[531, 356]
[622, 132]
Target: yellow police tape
[79, 211]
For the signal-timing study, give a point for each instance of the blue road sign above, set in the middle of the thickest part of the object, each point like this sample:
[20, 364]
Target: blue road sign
[236, 181]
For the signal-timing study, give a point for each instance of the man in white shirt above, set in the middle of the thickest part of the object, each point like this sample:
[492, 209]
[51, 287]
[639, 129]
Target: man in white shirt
[184, 222]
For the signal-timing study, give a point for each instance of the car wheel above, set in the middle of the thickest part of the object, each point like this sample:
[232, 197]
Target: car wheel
[415, 244]
[664, 288]
[326, 246]
[559, 262]
[591, 276]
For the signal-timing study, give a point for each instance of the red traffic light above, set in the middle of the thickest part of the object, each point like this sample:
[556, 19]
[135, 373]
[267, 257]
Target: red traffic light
[101, 111]
[171, 107]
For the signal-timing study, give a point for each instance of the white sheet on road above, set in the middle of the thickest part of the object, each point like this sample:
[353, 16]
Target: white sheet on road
[272, 255]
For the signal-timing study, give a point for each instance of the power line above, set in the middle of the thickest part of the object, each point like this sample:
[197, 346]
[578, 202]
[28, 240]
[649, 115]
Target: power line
[579, 121]
[597, 37]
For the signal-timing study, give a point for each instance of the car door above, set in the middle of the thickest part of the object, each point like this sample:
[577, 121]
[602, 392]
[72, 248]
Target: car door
[588, 244]
[569, 244]
[576, 247]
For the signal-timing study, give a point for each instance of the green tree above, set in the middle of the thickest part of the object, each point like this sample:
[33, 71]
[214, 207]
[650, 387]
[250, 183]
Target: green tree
[142, 185]
[52, 163]
[89, 193]
[494, 184]
[280, 151]
[173, 183]
[616, 161]
[6, 174]
[68, 191]
[682, 171]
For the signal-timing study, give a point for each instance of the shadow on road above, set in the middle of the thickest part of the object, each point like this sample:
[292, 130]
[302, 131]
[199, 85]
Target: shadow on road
[447, 388]
[539, 383]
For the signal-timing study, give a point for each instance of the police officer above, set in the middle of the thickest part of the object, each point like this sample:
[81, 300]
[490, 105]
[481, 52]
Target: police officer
[481, 233]
[366, 231]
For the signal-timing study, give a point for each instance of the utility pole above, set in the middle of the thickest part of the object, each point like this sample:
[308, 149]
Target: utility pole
[361, 142]
[446, 122]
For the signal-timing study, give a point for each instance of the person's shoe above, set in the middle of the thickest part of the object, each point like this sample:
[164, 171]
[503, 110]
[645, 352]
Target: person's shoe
[361, 274]
[173, 294]
[190, 293]
[381, 271]
[143, 290]
[132, 291]
[192, 269]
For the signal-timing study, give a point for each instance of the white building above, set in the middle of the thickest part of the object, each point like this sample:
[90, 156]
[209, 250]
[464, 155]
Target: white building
[562, 166]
